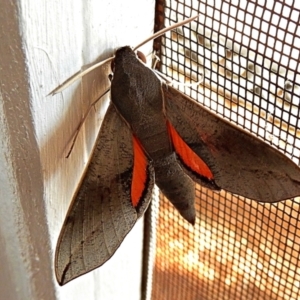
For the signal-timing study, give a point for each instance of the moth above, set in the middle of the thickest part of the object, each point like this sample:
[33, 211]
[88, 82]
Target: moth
[154, 134]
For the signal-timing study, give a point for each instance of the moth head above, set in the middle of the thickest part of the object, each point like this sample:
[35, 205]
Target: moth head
[140, 55]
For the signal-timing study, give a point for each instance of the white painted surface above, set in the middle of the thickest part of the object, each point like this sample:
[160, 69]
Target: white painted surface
[53, 39]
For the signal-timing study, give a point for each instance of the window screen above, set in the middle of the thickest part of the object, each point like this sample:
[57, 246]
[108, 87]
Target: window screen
[247, 55]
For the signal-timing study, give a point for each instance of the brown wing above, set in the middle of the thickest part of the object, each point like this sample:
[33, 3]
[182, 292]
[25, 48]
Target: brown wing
[103, 211]
[240, 163]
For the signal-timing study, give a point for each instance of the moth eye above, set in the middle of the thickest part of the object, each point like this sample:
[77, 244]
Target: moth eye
[141, 56]
[112, 65]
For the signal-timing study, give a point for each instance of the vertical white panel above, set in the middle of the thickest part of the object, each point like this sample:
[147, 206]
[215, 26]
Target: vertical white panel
[54, 39]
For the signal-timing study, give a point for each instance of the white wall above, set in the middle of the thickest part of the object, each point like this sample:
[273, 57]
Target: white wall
[42, 44]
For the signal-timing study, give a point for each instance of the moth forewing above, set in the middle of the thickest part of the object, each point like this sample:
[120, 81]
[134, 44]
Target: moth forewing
[241, 163]
[101, 213]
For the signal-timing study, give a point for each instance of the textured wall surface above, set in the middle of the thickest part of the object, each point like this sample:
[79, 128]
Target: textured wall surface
[42, 44]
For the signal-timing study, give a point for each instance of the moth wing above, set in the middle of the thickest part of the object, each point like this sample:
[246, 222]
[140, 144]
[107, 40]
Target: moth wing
[102, 213]
[240, 163]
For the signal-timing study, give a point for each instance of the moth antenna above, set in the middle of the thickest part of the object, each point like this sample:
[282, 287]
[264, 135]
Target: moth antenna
[164, 30]
[82, 122]
[75, 77]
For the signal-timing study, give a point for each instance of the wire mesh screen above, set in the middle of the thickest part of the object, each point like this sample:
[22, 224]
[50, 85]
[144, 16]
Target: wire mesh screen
[247, 54]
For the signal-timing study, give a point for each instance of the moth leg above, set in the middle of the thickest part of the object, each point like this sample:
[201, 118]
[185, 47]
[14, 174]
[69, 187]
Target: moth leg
[155, 60]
